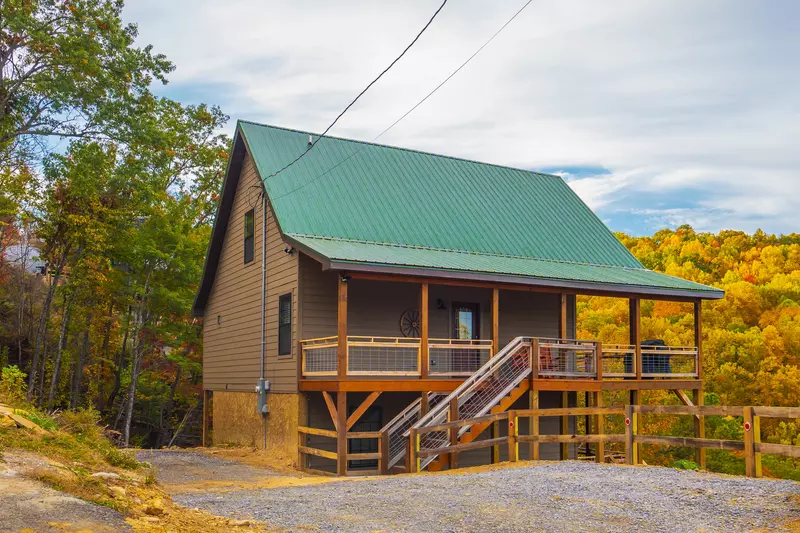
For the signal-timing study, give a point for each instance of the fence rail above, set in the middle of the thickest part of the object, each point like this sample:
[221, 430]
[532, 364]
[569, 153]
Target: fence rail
[566, 358]
[379, 455]
[751, 445]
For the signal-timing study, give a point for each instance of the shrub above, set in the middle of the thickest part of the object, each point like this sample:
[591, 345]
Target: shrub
[13, 387]
[685, 464]
[39, 417]
[82, 423]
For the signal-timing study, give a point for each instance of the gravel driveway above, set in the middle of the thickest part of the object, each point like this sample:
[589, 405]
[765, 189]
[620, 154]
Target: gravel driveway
[551, 497]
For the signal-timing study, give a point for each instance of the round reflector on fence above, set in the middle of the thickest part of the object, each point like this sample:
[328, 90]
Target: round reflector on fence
[627, 421]
[510, 424]
[747, 426]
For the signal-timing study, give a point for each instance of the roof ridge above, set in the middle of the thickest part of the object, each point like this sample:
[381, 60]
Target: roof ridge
[470, 252]
[391, 147]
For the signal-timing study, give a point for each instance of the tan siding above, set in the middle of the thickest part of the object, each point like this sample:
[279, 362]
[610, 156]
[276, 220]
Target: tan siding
[232, 348]
[318, 300]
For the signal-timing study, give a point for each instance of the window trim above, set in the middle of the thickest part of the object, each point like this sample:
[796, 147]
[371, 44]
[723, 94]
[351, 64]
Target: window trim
[252, 214]
[281, 299]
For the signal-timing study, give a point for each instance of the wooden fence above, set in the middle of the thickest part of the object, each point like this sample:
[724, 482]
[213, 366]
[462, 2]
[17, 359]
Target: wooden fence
[305, 450]
[751, 446]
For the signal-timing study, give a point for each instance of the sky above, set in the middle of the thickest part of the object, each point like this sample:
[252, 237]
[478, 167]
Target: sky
[657, 113]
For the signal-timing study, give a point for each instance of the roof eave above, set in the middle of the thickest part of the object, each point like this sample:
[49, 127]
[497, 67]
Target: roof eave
[609, 289]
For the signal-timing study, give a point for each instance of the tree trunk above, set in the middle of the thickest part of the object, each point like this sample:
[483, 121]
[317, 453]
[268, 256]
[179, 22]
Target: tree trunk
[77, 377]
[62, 341]
[120, 364]
[42, 326]
[131, 396]
[163, 433]
[101, 392]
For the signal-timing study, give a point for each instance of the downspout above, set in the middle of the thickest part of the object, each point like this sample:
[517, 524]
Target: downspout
[263, 385]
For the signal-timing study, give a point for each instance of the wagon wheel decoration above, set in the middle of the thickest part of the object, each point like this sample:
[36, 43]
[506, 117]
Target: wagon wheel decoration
[409, 323]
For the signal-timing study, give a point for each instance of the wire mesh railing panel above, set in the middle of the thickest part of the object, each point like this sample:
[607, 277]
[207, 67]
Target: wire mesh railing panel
[565, 358]
[390, 356]
[320, 356]
[457, 357]
[669, 361]
[399, 426]
[618, 360]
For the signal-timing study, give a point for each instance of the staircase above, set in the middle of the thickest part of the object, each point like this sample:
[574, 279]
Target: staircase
[493, 388]
[399, 426]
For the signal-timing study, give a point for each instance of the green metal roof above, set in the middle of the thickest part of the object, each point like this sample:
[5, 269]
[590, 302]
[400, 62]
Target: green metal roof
[356, 205]
[558, 272]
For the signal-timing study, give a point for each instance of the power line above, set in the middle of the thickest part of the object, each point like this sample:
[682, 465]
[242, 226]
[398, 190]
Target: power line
[311, 146]
[396, 122]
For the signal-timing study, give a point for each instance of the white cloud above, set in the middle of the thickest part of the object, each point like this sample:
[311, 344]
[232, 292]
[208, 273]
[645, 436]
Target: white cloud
[668, 95]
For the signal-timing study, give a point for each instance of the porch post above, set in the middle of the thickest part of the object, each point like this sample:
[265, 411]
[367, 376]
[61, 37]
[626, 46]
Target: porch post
[423, 346]
[342, 328]
[699, 421]
[562, 317]
[341, 433]
[495, 321]
[635, 320]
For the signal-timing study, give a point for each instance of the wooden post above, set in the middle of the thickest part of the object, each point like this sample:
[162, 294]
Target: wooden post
[599, 360]
[699, 429]
[452, 417]
[495, 320]
[638, 421]
[383, 447]
[413, 451]
[533, 403]
[599, 424]
[562, 317]
[749, 443]
[424, 404]
[423, 318]
[635, 320]
[513, 432]
[342, 328]
[341, 433]
[698, 335]
[756, 442]
[564, 426]
[534, 359]
[629, 433]
[495, 433]
[205, 417]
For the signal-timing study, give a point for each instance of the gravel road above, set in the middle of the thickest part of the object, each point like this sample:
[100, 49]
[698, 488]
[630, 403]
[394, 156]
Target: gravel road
[550, 497]
[175, 467]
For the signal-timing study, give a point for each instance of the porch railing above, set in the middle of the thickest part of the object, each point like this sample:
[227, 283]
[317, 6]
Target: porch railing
[375, 356]
[457, 357]
[319, 356]
[566, 358]
[618, 360]
[669, 361]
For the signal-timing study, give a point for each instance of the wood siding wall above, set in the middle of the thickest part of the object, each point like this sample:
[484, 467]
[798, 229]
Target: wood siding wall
[232, 330]
[374, 307]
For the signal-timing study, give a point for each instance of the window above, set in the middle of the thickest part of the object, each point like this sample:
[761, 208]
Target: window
[285, 324]
[249, 235]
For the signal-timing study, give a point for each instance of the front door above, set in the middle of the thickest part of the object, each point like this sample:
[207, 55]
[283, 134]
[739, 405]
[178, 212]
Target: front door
[466, 321]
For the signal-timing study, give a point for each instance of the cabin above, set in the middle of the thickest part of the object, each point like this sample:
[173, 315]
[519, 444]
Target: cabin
[365, 290]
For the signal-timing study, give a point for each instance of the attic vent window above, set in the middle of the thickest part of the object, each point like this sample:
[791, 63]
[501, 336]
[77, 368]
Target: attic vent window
[249, 235]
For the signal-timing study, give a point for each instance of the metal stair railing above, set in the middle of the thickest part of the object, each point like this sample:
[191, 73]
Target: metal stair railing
[479, 393]
[400, 425]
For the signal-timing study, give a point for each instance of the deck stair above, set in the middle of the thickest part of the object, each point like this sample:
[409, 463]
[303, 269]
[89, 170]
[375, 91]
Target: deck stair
[493, 388]
[399, 425]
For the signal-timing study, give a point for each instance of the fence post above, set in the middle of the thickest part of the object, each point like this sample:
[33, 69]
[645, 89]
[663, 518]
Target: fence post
[757, 441]
[629, 432]
[413, 451]
[383, 447]
[513, 432]
[749, 448]
[533, 423]
[453, 432]
[599, 360]
[600, 450]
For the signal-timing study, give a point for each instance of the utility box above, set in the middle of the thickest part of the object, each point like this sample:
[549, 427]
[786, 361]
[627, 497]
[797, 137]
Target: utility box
[261, 393]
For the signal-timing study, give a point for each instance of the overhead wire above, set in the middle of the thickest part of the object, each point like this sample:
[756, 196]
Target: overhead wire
[413, 108]
[407, 48]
